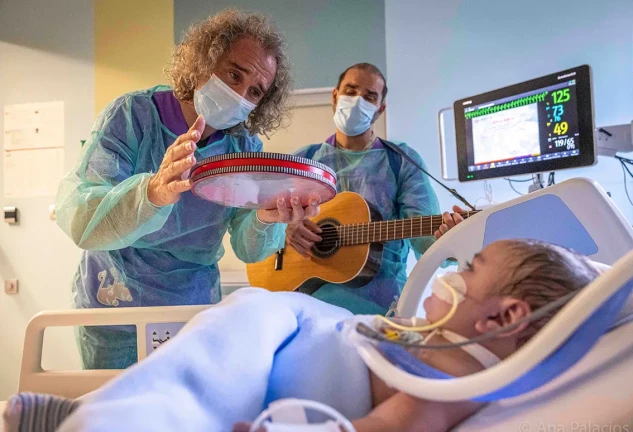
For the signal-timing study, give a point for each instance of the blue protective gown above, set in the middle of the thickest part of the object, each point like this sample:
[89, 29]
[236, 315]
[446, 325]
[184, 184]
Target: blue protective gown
[372, 174]
[137, 254]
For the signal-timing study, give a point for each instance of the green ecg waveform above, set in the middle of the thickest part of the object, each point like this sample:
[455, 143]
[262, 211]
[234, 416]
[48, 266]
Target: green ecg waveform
[508, 105]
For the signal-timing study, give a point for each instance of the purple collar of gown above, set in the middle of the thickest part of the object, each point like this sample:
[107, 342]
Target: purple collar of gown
[332, 141]
[172, 117]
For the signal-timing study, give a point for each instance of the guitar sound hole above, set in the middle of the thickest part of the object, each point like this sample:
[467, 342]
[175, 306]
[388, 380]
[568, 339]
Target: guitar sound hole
[330, 243]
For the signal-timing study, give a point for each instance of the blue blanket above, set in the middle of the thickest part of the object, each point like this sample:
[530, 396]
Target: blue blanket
[228, 363]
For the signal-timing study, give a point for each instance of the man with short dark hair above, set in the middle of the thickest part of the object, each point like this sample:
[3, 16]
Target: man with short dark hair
[369, 166]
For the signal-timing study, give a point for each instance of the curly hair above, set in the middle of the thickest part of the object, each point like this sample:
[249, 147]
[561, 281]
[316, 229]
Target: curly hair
[195, 58]
[542, 273]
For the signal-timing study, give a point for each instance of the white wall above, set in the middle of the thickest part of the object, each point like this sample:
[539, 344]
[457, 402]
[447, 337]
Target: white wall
[324, 36]
[441, 51]
[46, 54]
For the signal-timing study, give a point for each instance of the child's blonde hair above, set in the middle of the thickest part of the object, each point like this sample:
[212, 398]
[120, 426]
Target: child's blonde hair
[542, 273]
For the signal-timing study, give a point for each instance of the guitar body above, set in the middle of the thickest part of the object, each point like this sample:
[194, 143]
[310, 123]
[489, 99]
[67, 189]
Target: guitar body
[352, 266]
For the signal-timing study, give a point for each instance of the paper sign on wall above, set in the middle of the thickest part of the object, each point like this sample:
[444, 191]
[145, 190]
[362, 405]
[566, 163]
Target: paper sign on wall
[32, 173]
[33, 149]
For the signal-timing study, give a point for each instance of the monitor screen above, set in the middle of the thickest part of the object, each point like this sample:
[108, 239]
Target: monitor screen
[545, 124]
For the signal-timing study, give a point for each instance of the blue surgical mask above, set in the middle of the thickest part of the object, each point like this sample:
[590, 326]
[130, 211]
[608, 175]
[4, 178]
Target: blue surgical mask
[220, 105]
[353, 115]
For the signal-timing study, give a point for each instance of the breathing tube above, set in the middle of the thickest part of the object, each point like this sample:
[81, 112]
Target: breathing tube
[543, 311]
[432, 326]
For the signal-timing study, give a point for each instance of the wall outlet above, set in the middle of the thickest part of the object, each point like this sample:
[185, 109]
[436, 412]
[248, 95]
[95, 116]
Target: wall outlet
[11, 286]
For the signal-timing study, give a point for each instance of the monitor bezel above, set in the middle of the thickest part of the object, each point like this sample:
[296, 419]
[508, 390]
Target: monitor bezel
[587, 156]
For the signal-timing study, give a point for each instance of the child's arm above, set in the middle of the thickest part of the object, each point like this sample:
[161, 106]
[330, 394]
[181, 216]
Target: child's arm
[403, 413]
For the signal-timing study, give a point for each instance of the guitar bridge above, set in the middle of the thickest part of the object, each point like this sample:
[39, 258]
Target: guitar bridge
[279, 259]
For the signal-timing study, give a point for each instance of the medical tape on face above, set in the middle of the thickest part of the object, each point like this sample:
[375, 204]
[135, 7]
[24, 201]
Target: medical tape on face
[441, 287]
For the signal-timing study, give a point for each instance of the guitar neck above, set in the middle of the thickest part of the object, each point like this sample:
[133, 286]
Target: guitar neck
[378, 232]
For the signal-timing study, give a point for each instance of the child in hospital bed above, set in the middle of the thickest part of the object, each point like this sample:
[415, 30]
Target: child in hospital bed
[230, 361]
[503, 284]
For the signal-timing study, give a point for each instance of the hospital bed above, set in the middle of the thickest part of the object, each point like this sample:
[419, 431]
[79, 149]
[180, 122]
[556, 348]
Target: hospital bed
[576, 213]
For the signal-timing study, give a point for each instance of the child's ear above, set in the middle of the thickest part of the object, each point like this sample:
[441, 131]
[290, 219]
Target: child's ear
[505, 312]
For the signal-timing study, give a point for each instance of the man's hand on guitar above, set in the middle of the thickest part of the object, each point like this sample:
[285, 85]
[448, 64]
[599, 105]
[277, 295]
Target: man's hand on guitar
[302, 235]
[449, 221]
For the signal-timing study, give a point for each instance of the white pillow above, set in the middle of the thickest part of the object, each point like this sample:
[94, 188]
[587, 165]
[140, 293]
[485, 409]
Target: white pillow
[602, 268]
[626, 312]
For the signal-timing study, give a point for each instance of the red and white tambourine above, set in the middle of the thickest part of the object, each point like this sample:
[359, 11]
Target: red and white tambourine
[257, 180]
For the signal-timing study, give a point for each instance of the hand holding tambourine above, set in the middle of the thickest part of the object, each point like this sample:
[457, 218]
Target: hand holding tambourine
[164, 187]
[283, 188]
[284, 214]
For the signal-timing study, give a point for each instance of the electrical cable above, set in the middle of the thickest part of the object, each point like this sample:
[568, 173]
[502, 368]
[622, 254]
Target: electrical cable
[512, 186]
[417, 165]
[518, 181]
[551, 179]
[625, 169]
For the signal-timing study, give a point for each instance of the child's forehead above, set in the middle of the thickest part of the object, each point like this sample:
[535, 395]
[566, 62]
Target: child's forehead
[494, 263]
[495, 252]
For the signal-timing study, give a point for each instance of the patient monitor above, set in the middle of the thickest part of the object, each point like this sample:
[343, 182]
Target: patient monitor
[545, 124]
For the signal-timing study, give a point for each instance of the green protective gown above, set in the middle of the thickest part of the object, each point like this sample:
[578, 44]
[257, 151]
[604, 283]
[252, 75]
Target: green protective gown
[137, 254]
[396, 189]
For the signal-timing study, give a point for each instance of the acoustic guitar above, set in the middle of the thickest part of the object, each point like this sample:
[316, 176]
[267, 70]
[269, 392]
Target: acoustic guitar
[349, 253]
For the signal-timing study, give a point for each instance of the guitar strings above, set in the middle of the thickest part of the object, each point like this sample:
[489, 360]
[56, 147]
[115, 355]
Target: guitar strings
[414, 221]
[347, 235]
[387, 225]
[395, 224]
[351, 235]
[365, 229]
[360, 230]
